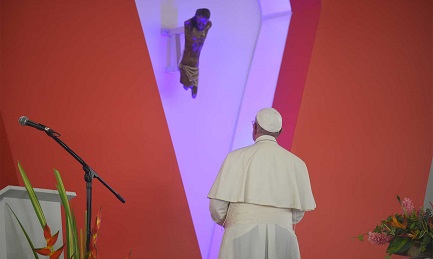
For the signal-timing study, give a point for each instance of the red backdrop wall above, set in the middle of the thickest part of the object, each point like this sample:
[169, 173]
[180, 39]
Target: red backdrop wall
[364, 125]
[83, 69]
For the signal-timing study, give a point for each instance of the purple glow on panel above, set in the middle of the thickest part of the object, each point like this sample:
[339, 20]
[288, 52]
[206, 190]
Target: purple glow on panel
[238, 76]
[261, 82]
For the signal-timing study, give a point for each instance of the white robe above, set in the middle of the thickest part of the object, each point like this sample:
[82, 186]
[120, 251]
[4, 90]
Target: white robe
[260, 191]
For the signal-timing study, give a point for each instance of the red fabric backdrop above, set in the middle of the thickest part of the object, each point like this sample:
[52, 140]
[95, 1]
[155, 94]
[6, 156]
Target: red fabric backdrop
[84, 70]
[364, 125]
[359, 100]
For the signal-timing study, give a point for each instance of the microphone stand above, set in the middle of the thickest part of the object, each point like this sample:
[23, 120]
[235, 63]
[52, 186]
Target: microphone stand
[88, 177]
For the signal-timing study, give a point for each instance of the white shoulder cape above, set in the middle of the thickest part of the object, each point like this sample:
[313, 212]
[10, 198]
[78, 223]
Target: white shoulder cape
[265, 174]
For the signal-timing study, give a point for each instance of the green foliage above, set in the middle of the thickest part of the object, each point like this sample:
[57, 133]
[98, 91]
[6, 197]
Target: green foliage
[25, 232]
[399, 244]
[73, 249]
[75, 240]
[412, 227]
[34, 200]
[50, 239]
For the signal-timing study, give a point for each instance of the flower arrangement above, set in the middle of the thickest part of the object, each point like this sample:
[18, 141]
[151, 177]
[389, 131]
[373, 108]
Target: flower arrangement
[409, 232]
[75, 240]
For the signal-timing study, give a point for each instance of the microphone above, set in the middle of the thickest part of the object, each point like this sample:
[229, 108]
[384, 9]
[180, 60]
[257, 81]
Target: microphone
[24, 121]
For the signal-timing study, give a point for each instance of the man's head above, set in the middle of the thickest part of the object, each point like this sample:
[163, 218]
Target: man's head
[268, 122]
[201, 18]
[203, 12]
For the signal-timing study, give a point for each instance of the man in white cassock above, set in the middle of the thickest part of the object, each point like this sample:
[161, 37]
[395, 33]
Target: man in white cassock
[260, 192]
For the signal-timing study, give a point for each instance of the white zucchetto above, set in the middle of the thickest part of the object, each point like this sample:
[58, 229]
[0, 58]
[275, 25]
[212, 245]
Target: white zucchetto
[269, 119]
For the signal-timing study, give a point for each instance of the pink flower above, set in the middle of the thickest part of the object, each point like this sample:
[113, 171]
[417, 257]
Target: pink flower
[407, 205]
[378, 238]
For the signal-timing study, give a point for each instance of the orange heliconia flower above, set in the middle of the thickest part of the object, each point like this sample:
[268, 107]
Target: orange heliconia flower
[51, 240]
[93, 252]
[397, 224]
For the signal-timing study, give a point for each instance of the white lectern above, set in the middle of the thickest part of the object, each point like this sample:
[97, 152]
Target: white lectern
[13, 242]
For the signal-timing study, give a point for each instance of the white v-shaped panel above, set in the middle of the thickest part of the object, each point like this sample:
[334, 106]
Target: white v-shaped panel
[239, 66]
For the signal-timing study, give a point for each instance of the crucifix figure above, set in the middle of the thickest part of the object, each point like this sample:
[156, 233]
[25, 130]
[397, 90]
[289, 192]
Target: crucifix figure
[196, 30]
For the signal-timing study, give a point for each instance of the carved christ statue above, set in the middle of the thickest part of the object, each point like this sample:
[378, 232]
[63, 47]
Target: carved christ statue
[196, 30]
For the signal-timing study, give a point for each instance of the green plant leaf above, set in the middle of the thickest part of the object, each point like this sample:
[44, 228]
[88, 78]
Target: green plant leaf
[82, 244]
[71, 229]
[33, 198]
[25, 232]
[75, 237]
[83, 240]
[399, 244]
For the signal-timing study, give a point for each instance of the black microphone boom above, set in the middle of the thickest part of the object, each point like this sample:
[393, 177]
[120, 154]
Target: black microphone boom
[88, 176]
[26, 122]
